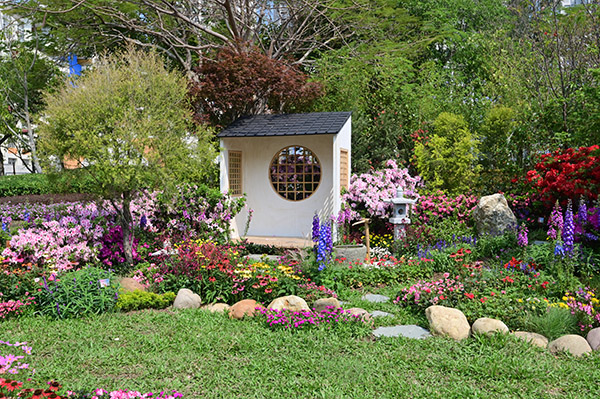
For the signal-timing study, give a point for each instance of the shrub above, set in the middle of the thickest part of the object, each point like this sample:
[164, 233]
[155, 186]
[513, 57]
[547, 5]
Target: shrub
[71, 181]
[73, 294]
[564, 174]
[448, 160]
[11, 186]
[197, 212]
[138, 300]
[368, 191]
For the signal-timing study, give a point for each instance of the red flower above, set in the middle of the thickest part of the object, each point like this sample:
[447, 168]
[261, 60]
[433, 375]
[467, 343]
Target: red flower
[483, 299]
[212, 279]
[469, 295]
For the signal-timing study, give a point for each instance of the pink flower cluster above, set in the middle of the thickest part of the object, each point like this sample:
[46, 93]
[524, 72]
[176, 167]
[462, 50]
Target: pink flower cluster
[13, 307]
[126, 394]
[66, 234]
[425, 293]
[370, 191]
[59, 244]
[438, 205]
[286, 319]
[11, 363]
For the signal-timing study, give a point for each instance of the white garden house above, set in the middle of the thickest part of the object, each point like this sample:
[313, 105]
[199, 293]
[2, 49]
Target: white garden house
[289, 166]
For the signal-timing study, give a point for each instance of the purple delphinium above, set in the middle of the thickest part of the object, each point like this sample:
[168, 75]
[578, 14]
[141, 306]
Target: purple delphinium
[522, 239]
[315, 228]
[324, 246]
[568, 232]
[555, 222]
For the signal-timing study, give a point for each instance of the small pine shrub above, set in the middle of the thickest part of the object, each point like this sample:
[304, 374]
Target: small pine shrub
[138, 300]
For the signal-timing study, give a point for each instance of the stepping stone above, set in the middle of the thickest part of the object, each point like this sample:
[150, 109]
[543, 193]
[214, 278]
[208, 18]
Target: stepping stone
[379, 313]
[375, 298]
[409, 331]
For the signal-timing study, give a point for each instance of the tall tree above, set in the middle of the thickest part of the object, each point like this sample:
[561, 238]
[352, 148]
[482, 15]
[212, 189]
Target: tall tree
[24, 73]
[127, 122]
[184, 30]
[249, 83]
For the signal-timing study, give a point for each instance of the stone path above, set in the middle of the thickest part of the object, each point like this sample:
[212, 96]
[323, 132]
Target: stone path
[408, 331]
[375, 298]
[379, 313]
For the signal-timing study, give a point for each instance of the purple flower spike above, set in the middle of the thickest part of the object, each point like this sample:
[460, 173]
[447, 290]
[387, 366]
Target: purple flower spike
[568, 233]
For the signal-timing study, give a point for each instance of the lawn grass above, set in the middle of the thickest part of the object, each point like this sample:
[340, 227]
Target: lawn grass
[206, 355]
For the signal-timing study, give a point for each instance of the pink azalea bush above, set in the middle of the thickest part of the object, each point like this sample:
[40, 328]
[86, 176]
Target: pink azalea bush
[438, 205]
[370, 191]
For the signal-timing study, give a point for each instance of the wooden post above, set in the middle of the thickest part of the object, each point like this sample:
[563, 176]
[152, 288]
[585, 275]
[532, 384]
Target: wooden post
[366, 221]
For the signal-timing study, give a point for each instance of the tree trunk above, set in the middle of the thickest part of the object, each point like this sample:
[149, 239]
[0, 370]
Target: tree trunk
[127, 226]
[2, 140]
[34, 158]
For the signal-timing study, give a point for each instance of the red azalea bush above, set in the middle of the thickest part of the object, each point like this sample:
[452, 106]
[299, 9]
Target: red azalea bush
[568, 173]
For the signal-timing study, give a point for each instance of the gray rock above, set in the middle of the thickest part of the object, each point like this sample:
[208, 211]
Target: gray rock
[324, 303]
[574, 344]
[260, 258]
[493, 216]
[379, 313]
[410, 331]
[485, 325]
[448, 322]
[593, 338]
[350, 253]
[186, 299]
[375, 298]
[533, 338]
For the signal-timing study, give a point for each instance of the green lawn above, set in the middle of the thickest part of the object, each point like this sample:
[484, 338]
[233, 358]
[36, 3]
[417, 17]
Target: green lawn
[206, 355]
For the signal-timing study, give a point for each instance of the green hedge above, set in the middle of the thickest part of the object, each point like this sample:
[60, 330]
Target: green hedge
[66, 182]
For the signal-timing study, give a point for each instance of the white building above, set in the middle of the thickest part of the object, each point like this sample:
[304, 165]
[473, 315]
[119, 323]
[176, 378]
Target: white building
[289, 166]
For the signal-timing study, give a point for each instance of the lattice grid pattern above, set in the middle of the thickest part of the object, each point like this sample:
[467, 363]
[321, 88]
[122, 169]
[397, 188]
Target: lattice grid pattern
[295, 173]
[235, 172]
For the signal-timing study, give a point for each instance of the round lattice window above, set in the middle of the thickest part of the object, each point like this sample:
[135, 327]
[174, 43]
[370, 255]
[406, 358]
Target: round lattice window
[295, 173]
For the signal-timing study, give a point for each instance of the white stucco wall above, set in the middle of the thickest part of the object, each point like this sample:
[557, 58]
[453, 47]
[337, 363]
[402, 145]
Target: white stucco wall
[274, 215]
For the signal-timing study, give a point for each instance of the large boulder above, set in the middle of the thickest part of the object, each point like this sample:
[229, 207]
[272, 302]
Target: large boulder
[593, 338]
[574, 344]
[244, 308]
[323, 304]
[533, 338]
[448, 322]
[217, 307]
[493, 216]
[186, 299]
[485, 325]
[291, 302]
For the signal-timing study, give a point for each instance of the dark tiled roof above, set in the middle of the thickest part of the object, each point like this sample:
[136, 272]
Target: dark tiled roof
[287, 124]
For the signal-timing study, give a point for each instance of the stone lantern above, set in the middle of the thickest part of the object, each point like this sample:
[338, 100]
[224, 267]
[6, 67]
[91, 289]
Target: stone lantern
[400, 216]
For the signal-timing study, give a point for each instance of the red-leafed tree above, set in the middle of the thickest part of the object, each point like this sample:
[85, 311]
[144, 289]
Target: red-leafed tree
[237, 83]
